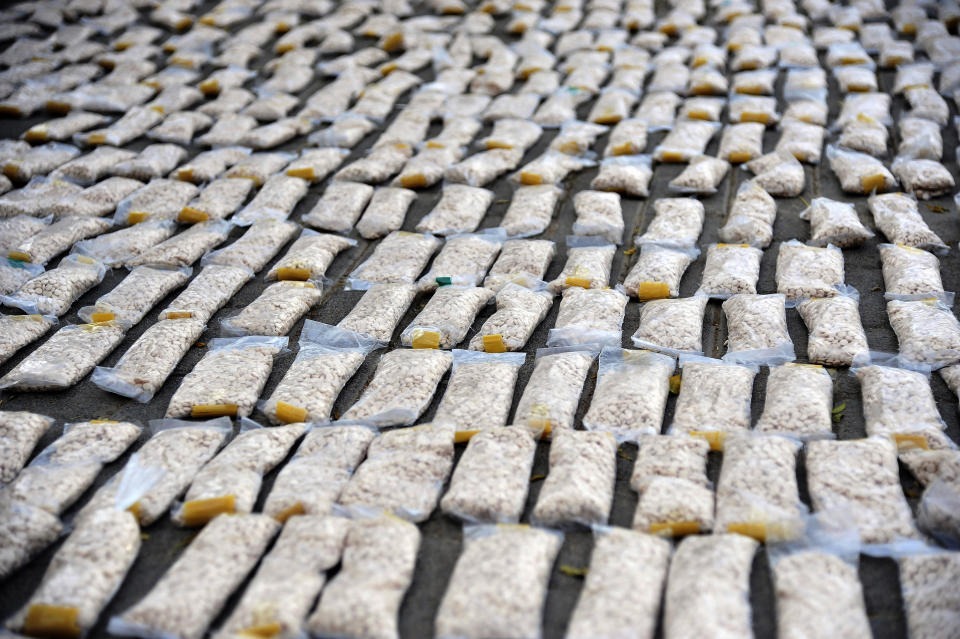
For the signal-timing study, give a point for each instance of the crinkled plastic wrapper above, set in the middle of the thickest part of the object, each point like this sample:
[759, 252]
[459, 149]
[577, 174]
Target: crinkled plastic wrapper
[65, 358]
[404, 472]
[731, 269]
[658, 271]
[927, 330]
[519, 311]
[479, 393]
[275, 311]
[531, 210]
[799, 402]
[806, 271]
[399, 258]
[899, 404]
[135, 295]
[229, 378]
[835, 223]
[757, 329]
[898, 217]
[627, 174]
[714, 399]
[677, 223]
[504, 571]
[53, 292]
[445, 320]
[836, 334]
[550, 399]
[491, 480]
[589, 315]
[672, 326]
[208, 292]
[386, 211]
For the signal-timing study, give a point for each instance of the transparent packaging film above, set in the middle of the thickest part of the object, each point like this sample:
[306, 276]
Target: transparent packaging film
[399, 258]
[799, 402]
[657, 272]
[588, 265]
[709, 586]
[275, 311]
[550, 399]
[730, 269]
[463, 260]
[402, 386]
[53, 292]
[589, 315]
[185, 248]
[363, 599]
[328, 357]
[519, 311]
[714, 399]
[20, 431]
[207, 293]
[136, 294]
[860, 479]
[403, 473]
[836, 336]
[899, 403]
[179, 448]
[191, 593]
[492, 478]
[677, 223]
[927, 330]
[520, 261]
[340, 206]
[446, 318]
[479, 393]
[230, 482]
[930, 600]
[805, 272]
[228, 380]
[65, 358]
[310, 483]
[672, 326]
[502, 569]
[757, 329]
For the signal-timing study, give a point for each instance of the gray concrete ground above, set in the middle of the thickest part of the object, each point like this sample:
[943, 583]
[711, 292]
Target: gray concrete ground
[441, 535]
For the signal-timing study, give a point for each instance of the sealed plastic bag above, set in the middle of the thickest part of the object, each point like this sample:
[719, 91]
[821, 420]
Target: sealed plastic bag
[835, 223]
[459, 210]
[923, 178]
[216, 201]
[741, 143]
[714, 399]
[672, 326]
[930, 600]
[53, 292]
[18, 331]
[327, 359]
[780, 174]
[628, 137]
[911, 273]
[899, 404]
[520, 261]
[858, 172]
[579, 485]
[860, 478]
[208, 165]
[757, 493]
[339, 207]
[133, 297]
[552, 394]
[836, 334]
[208, 292]
[187, 247]
[751, 217]
[627, 174]
[927, 330]
[159, 199]
[688, 139]
[445, 320]
[175, 605]
[491, 480]
[709, 586]
[757, 329]
[550, 168]
[624, 586]
[631, 393]
[57, 238]
[309, 257]
[805, 272]
[90, 566]
[275, 311]
[598, 215]
[677, 223]
[479, 393]
[531, 210]
[658, 271]
[589, 316]
[386, 211]
[94, 166]
[519, 311]
[229, 378]
[898, 217]
[403, 473]
[799, 402]
[230, 482]
[276, 200]
[463, 260]
[20, 431]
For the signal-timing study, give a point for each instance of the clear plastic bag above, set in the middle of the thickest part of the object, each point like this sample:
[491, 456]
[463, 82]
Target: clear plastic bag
[834, 223]
[20, 432]
[60, 129]
[927, 330]
[208, 292]
[658, 110]
[275, 200]
[757, 493]
[658, 271]
[672, 326]
[757, 329]
[309, 257]
[92, 167]
[480, 583]
[623, 378]
[801, 140]
[898, 217]
[56, 238]
[340, 206]
[911, 274]
[519, 311]
[923, 178]
[379, 310]
[856, 79]
[927, 581]
[858, 172]
[135, 295]
[865, 135]
[899, 404]
[491, 480]
[751, 217]
[805, 272]
[740, 143]
[386, 211]
[290, 577]
[686, 140]
[258, 166]
[327, 359]
[836, 334]
[708, 586]
[550, 168]
[520, 261]
[364, 597]
[702, 108]
[229, 378]
[714, 399]
[403, 473]
[628, 137]
[463, 260]
[779, 174]
[160, 199]
[176, 605]
[589, 316]
[701, 176]
[731, 269]
[459, 210]
[230, 482]
[187, 247]
[206, 166]
[624, 586]
[218, 200]
[275, 311]
[180, 128]
[531, 210]
[176, 447]
[552, 394]
[53, 292]
[257, 246]
[809, 111]
[484, 167]
[627, 174]
[446, 318]
[579, 484]
[479, 393]
[599, 215]
[677, 223]
[925, 102]
[860, 478]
